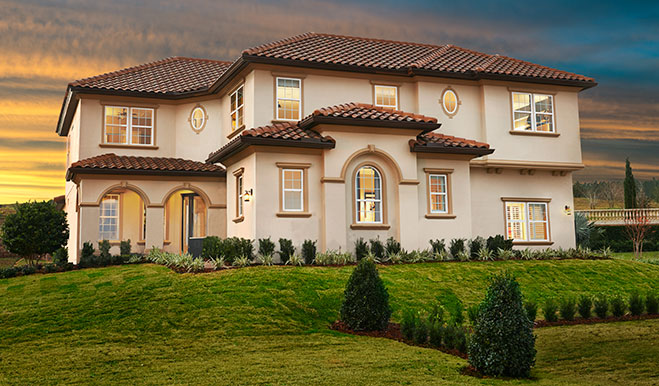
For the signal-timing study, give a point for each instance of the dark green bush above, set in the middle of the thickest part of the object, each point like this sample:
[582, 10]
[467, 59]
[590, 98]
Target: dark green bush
[568, 308]
[87, 258]
[27, 270]
[549, 310]
[475, 245]
[438, 246]
[531, 308]
[308, 251]
[421, 332]
[266, 247]
[472, 313]
[618, 306]
[286, 250]
[651, 303]
[498, 241]
[435, 333]
[50, 268]
[6, 273]
[104, 253]
[366, 300]
[408, 324]
[436, 314]
[211, 247]
[361, 249]
[636, 305]
[124, 248]
[456, 313]
[392, 246]
[601, 306]
[585, 305]
[61, 256]
[503, 342]
[377, 248]
[456, 338]
[233, 248]
[457, 246]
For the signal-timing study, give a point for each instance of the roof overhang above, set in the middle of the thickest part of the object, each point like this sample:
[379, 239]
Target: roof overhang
[243, 142]
[441, 149]
[73, 171]
[314, 120]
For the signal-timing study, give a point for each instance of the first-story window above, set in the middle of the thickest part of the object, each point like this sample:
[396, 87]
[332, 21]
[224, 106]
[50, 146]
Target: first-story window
[386, 96]
[533, 112]
[108, 226]
[527, 221]
[128, 125]
[368, 194]
[239, 194]
[438, 193]
[292, 190]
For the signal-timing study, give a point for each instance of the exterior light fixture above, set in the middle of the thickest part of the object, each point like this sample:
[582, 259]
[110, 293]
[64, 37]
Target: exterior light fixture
[248, 195]
[567, 210]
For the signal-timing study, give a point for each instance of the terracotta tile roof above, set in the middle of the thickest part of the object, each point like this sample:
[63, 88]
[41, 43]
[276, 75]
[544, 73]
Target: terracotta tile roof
[367, 111]
[405, 57]
[289, 131]
[440, 143]
[111, 163]
[170, 75]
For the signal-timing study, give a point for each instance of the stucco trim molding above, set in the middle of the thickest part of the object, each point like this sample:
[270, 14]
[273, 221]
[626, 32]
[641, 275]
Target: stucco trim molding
[526, 199]
[371, 149]
[515, 164]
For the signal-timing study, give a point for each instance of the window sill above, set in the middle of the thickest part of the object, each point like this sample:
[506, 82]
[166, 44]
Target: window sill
[293, 214]
[239, 219]
[166, 242]
[121, 146]
[236, 132]
[366, 226]
[141, 242]
[440, 215]
[533, 243]
[534, 133]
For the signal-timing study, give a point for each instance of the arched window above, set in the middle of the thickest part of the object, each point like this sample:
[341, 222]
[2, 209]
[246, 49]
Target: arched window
[368, 195]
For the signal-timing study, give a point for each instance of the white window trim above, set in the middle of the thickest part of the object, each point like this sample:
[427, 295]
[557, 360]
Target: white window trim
[527, 221]
[455, 110]
[237, 109]
[375, 200]
[444, 194]
[299, 100]
[375, 94]
[284, 190]
[533, 112]
[129, 126]
[240, 188]
[101, 216]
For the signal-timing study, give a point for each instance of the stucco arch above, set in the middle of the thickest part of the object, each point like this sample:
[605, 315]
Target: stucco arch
[386, 157]
[193, 188]
[138, 191]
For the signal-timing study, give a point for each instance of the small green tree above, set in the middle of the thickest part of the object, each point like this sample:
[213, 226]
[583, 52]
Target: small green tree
[366, 301]
[503, 342]
[630, 187]
[34, 230]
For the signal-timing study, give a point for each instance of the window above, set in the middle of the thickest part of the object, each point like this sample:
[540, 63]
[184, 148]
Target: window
[198, 119]
[438, 193]
[533, 112]
[237, 110]
[289, 99]
[450, 102]
[527, 221]
[386, 96]
[108, 225]
[119, 129]
[239, 193]
[368, 192]
[292, 190]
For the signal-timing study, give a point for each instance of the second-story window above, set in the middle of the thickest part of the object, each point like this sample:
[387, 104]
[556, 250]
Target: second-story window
[128, 125]
[237, 110]
[289, 99]
[386, 96]
[533, 112]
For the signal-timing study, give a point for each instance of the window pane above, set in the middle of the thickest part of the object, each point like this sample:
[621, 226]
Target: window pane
[293, 200]
[199, 218]
[538, 231]
[437, 184]
[543, 103]
[450, 101]
[522, 102]
[517, 230]
[515, 211]
[288, 109]
[116, 124]
[240, 116]
[522, 121]
[369, 195]
[537, 212]
[292, 179]
[385, 96]
[438, 203]
[543, 122]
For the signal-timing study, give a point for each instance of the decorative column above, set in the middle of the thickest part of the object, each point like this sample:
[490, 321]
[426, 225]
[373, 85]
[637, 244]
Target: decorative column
[155, 227]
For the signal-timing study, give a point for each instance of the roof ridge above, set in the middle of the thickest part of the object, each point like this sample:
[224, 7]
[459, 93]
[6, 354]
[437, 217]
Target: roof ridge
[277, 43]
[377, 40]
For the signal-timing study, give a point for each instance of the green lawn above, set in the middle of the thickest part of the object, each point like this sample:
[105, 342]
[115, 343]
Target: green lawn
[6, 262]
[652, 256]
[146, 324]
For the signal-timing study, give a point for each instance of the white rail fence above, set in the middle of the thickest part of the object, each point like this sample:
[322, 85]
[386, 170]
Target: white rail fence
[620, 216]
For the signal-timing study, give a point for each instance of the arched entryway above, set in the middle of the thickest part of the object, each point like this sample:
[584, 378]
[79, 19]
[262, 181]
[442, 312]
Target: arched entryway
[122, 217]
[186, 220]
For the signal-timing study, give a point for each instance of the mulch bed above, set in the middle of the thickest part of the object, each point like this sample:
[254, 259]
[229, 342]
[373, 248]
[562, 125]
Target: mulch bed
[392, 332]
[625, 318]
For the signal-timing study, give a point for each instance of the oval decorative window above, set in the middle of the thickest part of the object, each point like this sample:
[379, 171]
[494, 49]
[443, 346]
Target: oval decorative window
[450, 102]
[198, 118]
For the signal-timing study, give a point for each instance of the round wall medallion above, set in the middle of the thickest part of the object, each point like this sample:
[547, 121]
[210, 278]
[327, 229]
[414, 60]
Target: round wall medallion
[450, 102]
[198, 118]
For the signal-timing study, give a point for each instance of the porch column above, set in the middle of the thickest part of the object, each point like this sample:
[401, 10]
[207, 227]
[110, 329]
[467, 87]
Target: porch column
[155, 227]
[89, 215]
[408, 200]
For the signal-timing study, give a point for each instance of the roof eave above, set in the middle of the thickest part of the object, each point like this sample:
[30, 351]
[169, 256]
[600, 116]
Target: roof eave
[73, 171]
[243, 142]
[315, 120]
[324, 65]
[431, 148]
[472, 75]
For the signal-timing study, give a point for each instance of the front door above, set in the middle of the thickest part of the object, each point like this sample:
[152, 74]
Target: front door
[193, 223]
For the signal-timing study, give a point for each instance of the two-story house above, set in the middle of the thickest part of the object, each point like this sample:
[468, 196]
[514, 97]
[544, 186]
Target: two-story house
[324, 137]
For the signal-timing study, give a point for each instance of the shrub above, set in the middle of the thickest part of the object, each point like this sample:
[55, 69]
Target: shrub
[568, 308]
[392, 247]
[463, 256]
[104, 256]
[266, 259]
[295, 259]
[584, 306]
[457, 246]
[286, 250]
[601, 306]
[377, 248]
[475, 245]
[472, 313]
[309, 251]
[61, 257]
[6, 273]
[503, 342]
[333, 257]
[438, 246]
[435, 333]
[495, 243]
[50, 268]
[27, 270]
[485, 254]
[618, 306]
[233, 248]
[242, 262]
[636, 305]
[531, 308]
[124, 247]
[651, 303]
[455, 337]
[266, 247]
[361, 249]
[549, 310]
[421, 332]
[366, 300]
[218, 262]
[456, 313]
[436, 314]
[408, 324]
[505, 254]
[87, 258]
[211, 248]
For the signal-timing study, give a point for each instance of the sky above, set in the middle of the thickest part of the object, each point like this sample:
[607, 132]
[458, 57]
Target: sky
[47, 44]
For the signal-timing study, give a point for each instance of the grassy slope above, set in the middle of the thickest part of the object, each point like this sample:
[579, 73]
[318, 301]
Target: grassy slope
[146, 324]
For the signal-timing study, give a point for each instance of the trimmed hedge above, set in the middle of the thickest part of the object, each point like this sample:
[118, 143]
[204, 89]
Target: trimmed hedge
[615, 238]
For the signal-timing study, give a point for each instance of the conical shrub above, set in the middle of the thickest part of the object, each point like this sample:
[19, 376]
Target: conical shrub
[366, 301]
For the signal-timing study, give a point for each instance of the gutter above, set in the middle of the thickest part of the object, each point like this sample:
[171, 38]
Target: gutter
[72, 171]
[435, 148]
[243, 142]
[315, 120]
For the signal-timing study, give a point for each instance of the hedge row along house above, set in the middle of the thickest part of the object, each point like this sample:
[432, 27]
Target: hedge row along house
[323, 137]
